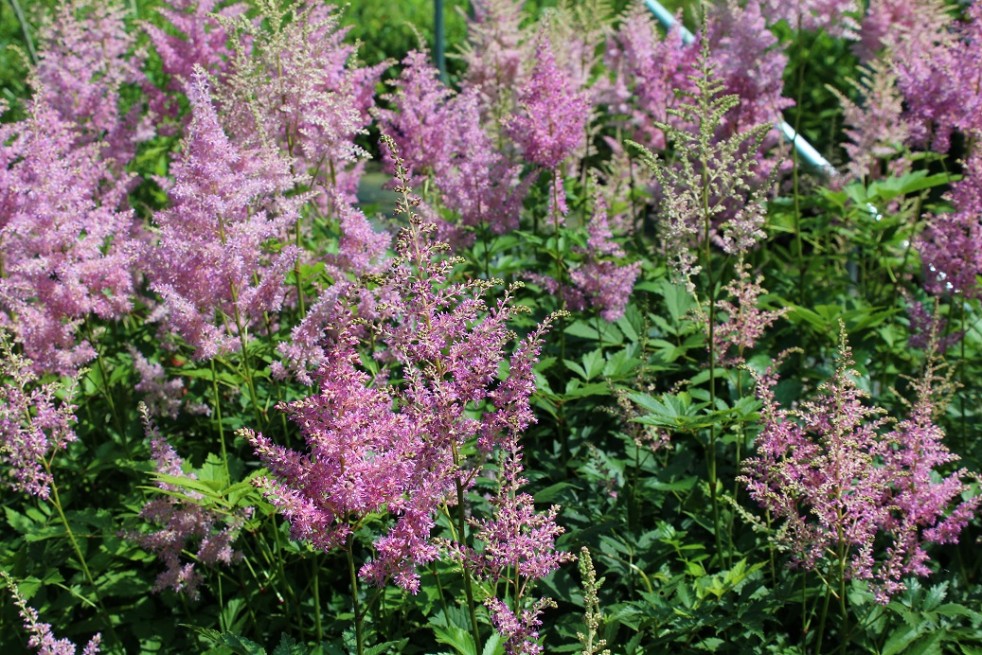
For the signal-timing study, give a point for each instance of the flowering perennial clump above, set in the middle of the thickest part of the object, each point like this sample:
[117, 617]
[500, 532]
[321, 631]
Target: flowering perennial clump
[33, 423]
[211, 263]
[42, 638]
[182, 516]
[844, 481]
[408, 446]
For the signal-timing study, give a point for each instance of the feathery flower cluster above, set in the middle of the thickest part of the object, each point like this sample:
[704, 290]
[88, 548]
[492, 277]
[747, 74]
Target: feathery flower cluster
[714, 191]
[441, 136]
[745, 322]
[552, 116]
[521, 632]
[201, 40]
[495, 52]
[163, 396]
[292, 83]
[183, 518]
[749, 65]
[928, 328]
[842, 483]
[951, 245]
[42, 638]
[877, 131]
[33, 423]
[211, 264]
[602, 281]
[932, 58]
[66, 252]
[889, 23]
[647, 70]
[835, 17]
[86, 58]
[376, 444]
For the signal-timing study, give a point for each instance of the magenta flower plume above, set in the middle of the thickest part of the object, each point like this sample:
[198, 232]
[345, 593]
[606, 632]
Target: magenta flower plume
[182, 518]
[442, 138]
[744, 322]
[951, 245]
[201, 40]
[34, 423]
[495, 53]
[66, 251]
[603, 281]
[877, 131]
[749, 64]
[212, 265]
[42, 639]
[842, 483]
[297, 86]
[394, 446]
[86, 58]
[552, 114]
[418, 120]
[647, 71]
[834, 17]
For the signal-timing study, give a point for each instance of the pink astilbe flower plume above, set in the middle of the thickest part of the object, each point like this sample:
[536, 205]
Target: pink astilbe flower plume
[494, 54]
[844, 481]
[836, 17]
[441, 136]
[603, 281]
[712, 193]
[183, 516]
[42, 639]
[877, 130]
[552, 113]
[293, 82]
[200, 41]
[86, 58]
[394, 446]
[744, 322]
[211, 264]
[647, 71]
[951, 245]
[34, 423]
[66, 251]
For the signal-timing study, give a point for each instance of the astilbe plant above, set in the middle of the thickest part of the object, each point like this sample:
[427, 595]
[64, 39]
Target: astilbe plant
[195, 38]
[494, 55]
[711, 191]
[35, 424]
[836, 17]
[42, 639]
[66, 250]
[951, 245]
[293, 82]
[408, 444]
[741, 321]
[877, 130]
[646, 72]
[441, 137]
[212, 264]
[603, 281]
[182, 516]
[550, 123]
[856, 495]
[86, 59]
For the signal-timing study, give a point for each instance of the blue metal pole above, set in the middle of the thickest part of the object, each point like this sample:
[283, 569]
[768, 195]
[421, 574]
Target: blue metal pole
[805, 150]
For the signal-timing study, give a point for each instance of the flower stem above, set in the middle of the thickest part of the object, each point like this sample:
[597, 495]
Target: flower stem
[359, 638]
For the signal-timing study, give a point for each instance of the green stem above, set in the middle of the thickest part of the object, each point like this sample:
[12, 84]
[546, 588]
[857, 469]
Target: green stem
[359, 638]
[26, 30]
[468, 588]
[218, 417]
[56, 501]
[315, 576]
